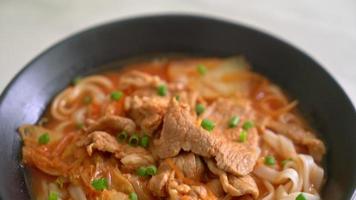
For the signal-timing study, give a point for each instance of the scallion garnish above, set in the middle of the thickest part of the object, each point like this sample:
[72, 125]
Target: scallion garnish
[134, 140]
[201, 69]
[234, 121]
[116, 95]
[243, 136]
[270, 160]
[144, 141]
[207, 124]
[247, 125]
[151, 170]
[199, 108]
[301, 197]
[121, 137]
[162, 90]
[133, 196]
[53, 195]
[141, 171]
[44, 138]
[100, 184]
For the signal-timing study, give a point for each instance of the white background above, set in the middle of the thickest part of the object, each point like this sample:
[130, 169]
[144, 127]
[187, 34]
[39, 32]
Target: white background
[325, 29]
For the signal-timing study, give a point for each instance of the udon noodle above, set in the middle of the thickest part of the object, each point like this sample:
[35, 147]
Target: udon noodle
[173, 128]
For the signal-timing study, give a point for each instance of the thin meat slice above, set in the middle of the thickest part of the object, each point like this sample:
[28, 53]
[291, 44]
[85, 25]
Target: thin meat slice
[181, 132]
[113, 122]
[147, 112]
[233, 185]
[191, 166]
[130, 157]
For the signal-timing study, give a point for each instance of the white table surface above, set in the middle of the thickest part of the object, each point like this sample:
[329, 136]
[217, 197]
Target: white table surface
[325, 29]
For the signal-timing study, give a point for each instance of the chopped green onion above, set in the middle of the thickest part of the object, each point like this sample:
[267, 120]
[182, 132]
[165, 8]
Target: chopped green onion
[300, 197]
[76, 80]
[116, 95]
[199, 109]
[162, 90]
[151, 170]
[121, 137]
[134, 140]
[141, 171]
[270, 161]
[133, 196]
[247, 125]
[201, 69]
[284, 162]
[243, 136]
[52, 195]
[144, 141]
[87, 100]
[44, 138]
[207, 124]
[177, 97]
[234, 121]
[100, 184]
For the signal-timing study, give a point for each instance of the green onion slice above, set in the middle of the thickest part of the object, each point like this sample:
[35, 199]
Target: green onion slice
[133, 196]
[234, 121]
[207, 125]
[243, 136]
[151, 170]
[247, 125]
[43, 139]
[134, 140]
[100, 184]
[144, 141]
[141, 171]
[52, 195]
[162, 90]
[270, 160]
[199, 108]
[121, 137]
[301, 197]
[116, 95]
[202, 70]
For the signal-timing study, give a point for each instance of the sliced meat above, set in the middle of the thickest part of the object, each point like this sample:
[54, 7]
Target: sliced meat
[189, 164]
[235, 186]
[101, 141]
[221, 111]
[138, 79]
[140, 187]
[130, 157]
[157, 184]
[300, 136]
[180, 131]
[147, 112]
[112, 122]
[113, 195]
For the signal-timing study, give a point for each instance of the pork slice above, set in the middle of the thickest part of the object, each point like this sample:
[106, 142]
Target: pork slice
[113, 122]
[130, 157]
[181, 132]
[147, 112]
[189, 164]
[233, 185]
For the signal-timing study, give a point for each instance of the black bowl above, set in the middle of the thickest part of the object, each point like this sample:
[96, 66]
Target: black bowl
[321, 100]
